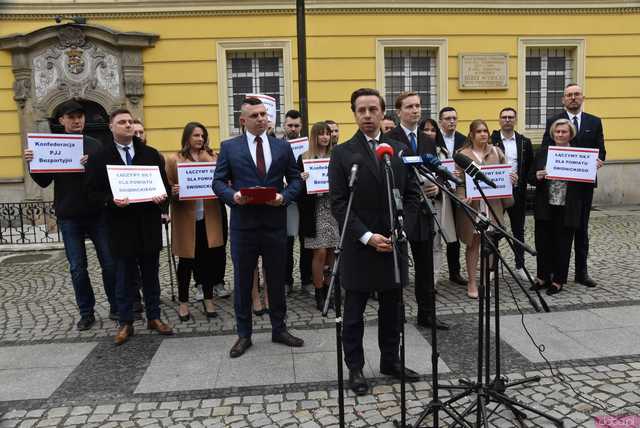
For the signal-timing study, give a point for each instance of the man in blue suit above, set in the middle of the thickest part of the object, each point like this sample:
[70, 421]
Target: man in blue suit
[250, 160]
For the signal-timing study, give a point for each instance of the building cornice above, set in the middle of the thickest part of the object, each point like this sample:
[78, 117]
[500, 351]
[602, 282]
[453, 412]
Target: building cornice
[35, 10]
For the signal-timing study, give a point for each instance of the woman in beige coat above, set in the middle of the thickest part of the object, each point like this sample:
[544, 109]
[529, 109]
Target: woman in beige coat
[196, 232]
[481, 152]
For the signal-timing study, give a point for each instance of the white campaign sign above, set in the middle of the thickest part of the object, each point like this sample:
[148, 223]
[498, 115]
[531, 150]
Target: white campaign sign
[56, 152]
[318, 169]
[299, 146]
[500, 174]
[451, 167]
[269, 103]
[195, 180]
[139, 183]
[572, 164]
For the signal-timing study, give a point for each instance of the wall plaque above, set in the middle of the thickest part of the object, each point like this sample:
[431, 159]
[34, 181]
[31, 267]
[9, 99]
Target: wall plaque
[483, 71]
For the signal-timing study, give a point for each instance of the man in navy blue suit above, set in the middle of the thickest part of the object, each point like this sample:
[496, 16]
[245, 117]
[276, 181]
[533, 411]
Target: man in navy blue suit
[590, 135]
[250, 160]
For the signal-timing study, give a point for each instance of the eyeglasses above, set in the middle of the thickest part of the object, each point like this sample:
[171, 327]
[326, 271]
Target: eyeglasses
[573, 95]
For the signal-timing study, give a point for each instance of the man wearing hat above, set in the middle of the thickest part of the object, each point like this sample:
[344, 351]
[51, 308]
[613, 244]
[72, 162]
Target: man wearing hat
[78, 218]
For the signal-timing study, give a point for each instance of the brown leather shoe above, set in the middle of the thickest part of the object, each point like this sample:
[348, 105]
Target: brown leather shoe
[123, 334]
[160, 327]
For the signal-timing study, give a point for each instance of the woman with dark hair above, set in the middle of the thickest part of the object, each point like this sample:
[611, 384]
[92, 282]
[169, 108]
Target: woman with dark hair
[557, 214]
[317, 225]
[196, 232]
[478, 148]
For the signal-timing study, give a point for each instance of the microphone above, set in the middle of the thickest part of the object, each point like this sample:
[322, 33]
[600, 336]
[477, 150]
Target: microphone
[356, 160]
[432, 164]
[384, 152]
[472, 169]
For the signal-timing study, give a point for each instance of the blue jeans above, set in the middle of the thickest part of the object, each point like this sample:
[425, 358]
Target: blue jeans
[74, 231]
[126, 289]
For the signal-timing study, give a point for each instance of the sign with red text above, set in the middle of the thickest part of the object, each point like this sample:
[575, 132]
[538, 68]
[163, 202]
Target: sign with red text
[499, 174]
[138, 183]
[56, 152]
[318, 181]
[195, 180]
[572, 164]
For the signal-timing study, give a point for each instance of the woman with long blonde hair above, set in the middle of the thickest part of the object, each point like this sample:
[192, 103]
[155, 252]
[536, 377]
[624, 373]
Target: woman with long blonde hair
[479, 149]
[317, 225]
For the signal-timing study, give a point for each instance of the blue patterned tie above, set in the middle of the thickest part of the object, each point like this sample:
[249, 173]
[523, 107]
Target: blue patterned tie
[414, 145]
[127, 155]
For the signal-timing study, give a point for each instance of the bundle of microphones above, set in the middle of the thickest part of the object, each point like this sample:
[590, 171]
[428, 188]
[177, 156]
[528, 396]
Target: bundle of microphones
[428, 164]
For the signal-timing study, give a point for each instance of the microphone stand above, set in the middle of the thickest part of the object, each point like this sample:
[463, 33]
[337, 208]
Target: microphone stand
[334, 286]
[398, 238]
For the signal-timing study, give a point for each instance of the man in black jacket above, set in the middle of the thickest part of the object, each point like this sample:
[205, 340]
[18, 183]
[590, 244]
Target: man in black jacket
[136, 238]
[408, 111]
[519, 153]
[367, 262]
[77, 218]
[450, 140]
[590, 135]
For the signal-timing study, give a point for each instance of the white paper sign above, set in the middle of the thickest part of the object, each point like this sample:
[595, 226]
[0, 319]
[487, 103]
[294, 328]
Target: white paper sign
[318, 181]
[451, 167]
[139, 183]
[572, 164]
[299, 146]
[499, 174]
[56, 152]
[269, 103]
[195, 180]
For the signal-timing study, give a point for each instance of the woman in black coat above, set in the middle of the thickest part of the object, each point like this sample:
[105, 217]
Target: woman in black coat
[557, 214]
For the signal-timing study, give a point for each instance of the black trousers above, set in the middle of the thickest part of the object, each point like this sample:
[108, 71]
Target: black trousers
[553, 245]
[453, 257]
[203, 264]
[581, 242]
[517, 218]
[355, 303]
[422, 252]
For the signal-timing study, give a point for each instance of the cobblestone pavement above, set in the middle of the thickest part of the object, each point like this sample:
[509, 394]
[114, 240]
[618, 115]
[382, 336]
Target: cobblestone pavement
[37, 307]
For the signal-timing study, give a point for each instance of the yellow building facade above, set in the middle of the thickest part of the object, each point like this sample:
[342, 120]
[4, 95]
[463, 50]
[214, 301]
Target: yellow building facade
[198, 59]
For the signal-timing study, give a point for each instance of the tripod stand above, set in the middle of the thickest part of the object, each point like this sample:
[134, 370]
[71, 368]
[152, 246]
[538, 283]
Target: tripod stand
[486, 390]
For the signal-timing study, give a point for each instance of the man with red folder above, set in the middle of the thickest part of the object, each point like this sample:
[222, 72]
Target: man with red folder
[249, 161]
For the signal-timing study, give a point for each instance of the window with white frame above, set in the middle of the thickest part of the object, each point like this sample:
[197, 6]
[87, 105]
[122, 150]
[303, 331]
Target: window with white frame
[412, 69]
[257, 72]
[547, 71]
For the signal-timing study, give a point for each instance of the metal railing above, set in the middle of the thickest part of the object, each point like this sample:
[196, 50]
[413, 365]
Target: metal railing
[28, 223]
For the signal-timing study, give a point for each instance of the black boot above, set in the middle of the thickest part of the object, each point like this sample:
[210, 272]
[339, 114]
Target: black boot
[319, 293]
[325, 292]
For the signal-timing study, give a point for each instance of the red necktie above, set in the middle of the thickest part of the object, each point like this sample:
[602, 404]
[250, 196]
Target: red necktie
[260, 165]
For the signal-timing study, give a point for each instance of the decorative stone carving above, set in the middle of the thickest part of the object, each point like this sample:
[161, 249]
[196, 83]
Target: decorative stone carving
[21, 91]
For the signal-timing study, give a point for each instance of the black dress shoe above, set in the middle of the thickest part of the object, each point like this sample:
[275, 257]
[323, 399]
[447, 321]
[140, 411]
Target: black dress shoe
[358, 383]
[554, 289]
[86, 322]
[240, 347]
[428, 323]
[458, 279]
[288, 339]
[395, 370]
[586, 281]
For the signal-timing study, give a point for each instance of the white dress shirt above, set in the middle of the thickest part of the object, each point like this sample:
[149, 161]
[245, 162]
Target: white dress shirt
[511, 151]
[266, 149]
[122, 152]
[450, 142]
[578, 117]
[409, 131]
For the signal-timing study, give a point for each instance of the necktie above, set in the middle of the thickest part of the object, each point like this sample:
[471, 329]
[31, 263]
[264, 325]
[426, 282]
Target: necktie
[260, 164]
[372, 146]
[414, 145]
[575, 123]
[127, 155]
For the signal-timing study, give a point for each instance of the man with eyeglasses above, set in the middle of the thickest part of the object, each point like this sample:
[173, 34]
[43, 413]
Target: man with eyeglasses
[589, 134]
[450, 141]
[519, 152]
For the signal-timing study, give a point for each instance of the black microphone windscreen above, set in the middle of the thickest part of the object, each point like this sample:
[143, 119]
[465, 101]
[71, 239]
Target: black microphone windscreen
[461, 160]
[356, 159]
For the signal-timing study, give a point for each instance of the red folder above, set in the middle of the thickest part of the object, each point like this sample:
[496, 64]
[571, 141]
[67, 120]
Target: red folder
[259, 195]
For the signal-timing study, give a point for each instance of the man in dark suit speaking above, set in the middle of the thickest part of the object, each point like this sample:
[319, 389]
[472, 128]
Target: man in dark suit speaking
[254, 159]
[366, 263]
[590, 135]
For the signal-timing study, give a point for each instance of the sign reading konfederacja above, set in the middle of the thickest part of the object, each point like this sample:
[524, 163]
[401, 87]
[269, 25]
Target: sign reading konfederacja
[483, 71]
